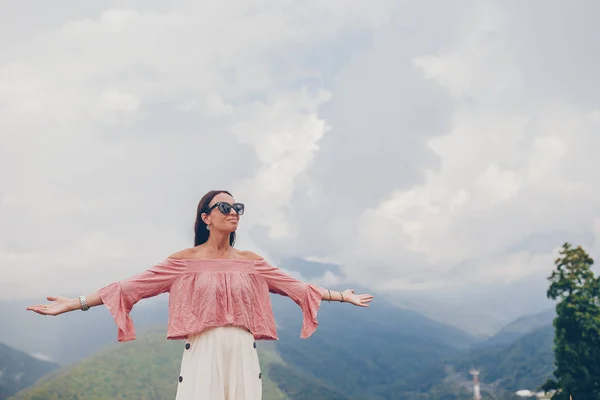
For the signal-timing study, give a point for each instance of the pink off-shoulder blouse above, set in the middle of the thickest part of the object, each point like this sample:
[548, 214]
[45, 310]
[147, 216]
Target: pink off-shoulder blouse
[211, 293]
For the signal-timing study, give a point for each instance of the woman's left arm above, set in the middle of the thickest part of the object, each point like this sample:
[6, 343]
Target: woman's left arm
[306, 295]
[347, 296]
[283, 284]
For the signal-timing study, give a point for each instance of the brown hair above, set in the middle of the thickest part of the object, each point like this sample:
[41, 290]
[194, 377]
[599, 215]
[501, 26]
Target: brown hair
[201, 233]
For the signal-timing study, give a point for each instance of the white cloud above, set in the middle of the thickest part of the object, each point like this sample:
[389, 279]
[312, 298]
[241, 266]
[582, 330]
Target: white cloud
[284, 136]
[507, 171]
[480, 183]
[41, 356]
[425, 146]
[115, 122]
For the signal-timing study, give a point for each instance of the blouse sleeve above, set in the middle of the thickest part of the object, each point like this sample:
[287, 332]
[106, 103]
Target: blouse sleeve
[306, 295]
[120, 297]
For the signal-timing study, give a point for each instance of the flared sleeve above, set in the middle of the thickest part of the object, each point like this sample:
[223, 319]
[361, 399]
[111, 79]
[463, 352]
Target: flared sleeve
[120, 297]
[306, 295]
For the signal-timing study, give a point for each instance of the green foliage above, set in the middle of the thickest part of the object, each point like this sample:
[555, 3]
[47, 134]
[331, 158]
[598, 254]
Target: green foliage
[577, 326]
[361, 354]
[144, 369]
[147, 369]
[523, 364]
[300, 386]
[386, 353]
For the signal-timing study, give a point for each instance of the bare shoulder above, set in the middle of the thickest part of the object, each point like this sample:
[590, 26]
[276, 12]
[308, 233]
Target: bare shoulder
[199, 253]
[248, 255]
[184, 254]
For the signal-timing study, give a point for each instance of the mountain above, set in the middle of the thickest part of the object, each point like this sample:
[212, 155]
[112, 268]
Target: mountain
[471, 310]
[357, 351]
[19, 370]
[378, 353]
[65, 339]
[478, 323]
[148, 368]
[518, 328]
[371, 347]
[526, 363]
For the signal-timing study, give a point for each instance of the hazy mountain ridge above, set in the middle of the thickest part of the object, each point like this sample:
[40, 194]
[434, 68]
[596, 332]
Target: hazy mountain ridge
[378, 353]
[525, 363]
[364, 345]
[519, 327]
[372, 348]
[354, 354]
[19, 370]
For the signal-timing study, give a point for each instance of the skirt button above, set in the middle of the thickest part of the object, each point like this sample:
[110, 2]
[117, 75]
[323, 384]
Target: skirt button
[181, 379]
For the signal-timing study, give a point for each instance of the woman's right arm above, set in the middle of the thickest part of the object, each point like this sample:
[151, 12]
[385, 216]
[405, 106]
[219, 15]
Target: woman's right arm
[61, 305]
[120, 297]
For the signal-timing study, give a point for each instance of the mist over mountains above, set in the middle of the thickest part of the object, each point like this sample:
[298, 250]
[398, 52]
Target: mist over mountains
[379, 353]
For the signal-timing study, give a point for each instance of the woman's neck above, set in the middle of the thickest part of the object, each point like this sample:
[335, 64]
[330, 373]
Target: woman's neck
[218, 243]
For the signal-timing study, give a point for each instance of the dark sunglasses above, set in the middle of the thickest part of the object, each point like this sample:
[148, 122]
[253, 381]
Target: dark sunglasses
[225, 208]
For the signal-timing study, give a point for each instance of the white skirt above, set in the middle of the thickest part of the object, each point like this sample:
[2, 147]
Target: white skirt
[220, 364]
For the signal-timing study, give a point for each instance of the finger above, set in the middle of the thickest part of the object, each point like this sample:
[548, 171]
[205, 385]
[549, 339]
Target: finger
[51, 298]
[35, 308]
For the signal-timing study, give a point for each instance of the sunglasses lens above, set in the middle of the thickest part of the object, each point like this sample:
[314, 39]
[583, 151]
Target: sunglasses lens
[239, 208]
[224, 208]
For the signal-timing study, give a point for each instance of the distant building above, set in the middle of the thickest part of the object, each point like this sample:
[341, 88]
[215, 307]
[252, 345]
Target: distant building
[538, 395]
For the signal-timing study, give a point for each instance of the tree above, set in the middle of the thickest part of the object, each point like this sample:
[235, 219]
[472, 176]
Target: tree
[576, 326]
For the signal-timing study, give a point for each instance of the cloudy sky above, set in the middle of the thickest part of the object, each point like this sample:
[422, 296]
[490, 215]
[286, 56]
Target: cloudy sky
[422, 145]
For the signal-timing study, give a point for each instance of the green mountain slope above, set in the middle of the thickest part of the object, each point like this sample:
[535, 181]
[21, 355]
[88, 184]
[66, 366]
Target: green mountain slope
[525, 363]
[370, 348]
[19, 370]
[148, 368]
[376, 354]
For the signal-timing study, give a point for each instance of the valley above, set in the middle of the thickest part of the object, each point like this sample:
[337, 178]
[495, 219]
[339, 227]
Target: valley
[386, 353]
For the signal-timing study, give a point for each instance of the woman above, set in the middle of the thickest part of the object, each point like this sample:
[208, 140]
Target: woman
[218, 303]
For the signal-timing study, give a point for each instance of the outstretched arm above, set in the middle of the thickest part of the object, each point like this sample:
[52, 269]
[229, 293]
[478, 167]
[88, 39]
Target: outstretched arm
[60, 305]
[347, 296]
[283, 284]
[306, 295]
[120, 297]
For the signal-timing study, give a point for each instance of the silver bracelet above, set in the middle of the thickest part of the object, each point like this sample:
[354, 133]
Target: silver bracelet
[83, 302]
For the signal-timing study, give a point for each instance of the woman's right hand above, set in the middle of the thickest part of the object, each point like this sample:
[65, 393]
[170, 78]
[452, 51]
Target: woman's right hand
[58, 305]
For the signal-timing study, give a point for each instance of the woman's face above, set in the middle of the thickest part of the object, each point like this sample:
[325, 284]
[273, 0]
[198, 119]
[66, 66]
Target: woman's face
[217, 220]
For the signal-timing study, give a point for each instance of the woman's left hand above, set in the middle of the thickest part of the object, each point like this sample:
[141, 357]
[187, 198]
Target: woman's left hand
[360, 300]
